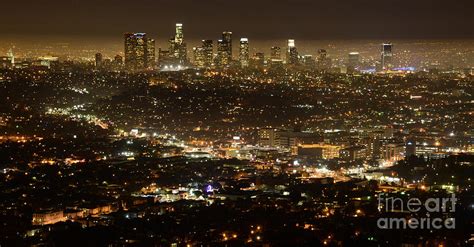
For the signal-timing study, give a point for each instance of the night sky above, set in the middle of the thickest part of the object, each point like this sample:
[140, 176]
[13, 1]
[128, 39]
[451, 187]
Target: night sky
[258, 19]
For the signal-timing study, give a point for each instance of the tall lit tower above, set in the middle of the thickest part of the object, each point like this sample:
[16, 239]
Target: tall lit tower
[224, 49]
[199, 57]
[150, 53]
[386, 56]
[292, 52]
[11, 55]
[227, 39]
[178, 50]
[208, 52]
[353, 62]
[98, 60]
[179, 36]
[244, 52]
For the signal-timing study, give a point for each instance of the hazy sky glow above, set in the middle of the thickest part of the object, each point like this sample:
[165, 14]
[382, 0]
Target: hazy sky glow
[257, 19]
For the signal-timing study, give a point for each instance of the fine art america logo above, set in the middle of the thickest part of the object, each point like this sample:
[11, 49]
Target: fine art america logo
[430, 213]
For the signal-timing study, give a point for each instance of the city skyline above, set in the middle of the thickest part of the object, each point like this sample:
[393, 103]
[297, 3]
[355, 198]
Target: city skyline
[186, 50]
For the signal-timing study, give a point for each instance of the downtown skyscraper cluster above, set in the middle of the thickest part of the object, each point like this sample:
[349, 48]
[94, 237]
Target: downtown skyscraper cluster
[140, 55]
[139, 51]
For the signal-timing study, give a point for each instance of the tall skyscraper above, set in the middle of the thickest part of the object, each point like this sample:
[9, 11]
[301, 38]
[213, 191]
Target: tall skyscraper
[199, 57]
[178, 49]
[292, 53]
[11, 55]
[244, 56]
[135, 51]
[150, 53]
[208, 52]
[98, 60]
[386, 56]
[139, 51]
[353, 62]
[227, 38]
[179, 36]
[224, 49]
[221, 58]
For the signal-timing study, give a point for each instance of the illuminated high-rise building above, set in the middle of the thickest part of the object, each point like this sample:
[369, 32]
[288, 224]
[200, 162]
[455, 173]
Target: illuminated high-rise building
[150, 53]
[227, 38]
[11, 54]
[139, 51]
[178, 49]
[199, 57]
[221, 58]
[98, 60]
[353, 62]
[208, 52]
[244, 52]
[203, 54]
[224, 49]
[179, 36]
[135, 51]
[292, 53]
[386, 56]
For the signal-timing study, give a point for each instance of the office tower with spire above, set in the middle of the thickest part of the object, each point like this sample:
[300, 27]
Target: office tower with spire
[244, 56]
[178, 49]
